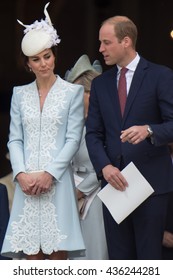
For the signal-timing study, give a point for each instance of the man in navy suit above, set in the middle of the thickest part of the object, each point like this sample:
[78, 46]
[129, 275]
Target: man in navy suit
[140, 135]
[4, 215]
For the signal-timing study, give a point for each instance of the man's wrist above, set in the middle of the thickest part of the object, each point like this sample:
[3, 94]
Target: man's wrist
[150, 131]
[150, 135]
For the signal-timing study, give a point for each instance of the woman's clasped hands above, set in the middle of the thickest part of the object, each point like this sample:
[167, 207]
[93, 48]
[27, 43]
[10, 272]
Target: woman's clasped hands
[35, 183]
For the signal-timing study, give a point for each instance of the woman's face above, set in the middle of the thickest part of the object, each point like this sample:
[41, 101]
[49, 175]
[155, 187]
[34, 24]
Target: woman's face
[42, 64]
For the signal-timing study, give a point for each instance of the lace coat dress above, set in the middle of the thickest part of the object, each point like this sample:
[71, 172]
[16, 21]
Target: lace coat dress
[45, 140]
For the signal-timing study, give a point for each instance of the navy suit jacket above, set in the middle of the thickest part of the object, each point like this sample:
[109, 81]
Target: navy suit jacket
[150, 101]
[4, 215]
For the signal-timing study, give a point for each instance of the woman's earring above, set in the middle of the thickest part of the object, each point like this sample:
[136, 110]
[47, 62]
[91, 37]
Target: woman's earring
[30, 69]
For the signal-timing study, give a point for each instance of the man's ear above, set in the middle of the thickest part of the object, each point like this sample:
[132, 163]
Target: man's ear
[127, 41]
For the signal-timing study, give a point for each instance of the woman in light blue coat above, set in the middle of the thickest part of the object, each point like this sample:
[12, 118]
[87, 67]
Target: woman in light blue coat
[45, 131]
[87, 183]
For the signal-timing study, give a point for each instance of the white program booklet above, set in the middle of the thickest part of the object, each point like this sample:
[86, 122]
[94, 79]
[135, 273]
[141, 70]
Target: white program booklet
[122, 203]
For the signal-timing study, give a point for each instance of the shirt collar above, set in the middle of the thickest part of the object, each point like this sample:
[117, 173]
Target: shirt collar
[132, 65]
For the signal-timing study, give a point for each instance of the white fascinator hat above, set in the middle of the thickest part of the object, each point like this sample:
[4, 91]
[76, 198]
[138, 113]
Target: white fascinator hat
[82, 65]
[39, 36]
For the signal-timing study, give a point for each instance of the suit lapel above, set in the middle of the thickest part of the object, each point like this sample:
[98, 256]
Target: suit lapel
[113, 92]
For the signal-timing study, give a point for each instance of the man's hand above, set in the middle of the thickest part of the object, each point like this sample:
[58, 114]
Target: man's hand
[168, 239]
[134, 134]
[114, 177]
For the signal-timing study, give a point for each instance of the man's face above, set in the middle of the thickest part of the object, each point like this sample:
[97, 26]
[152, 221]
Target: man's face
[111, 48]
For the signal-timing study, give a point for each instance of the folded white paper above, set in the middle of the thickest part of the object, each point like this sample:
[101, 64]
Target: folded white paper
[122, 203]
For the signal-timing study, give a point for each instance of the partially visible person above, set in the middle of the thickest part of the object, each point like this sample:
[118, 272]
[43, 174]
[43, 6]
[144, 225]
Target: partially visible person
[91, 208]
[4, 215]
[47, 118]
[168, 233]
[140, 133]
[7, 180]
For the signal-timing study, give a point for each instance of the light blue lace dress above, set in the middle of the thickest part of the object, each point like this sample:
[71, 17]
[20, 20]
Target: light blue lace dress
[45, 140]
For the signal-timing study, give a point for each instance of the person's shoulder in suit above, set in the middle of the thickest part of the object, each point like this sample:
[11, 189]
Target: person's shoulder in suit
[3, 189]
